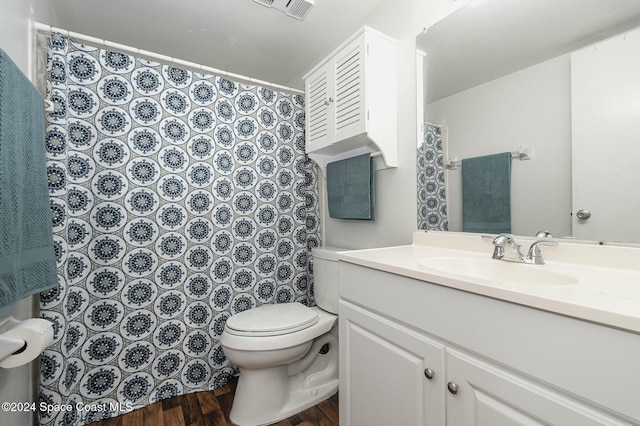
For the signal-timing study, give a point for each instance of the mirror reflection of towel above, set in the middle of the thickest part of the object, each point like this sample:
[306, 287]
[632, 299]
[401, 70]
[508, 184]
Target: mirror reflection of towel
[486, 194]
[350, 188]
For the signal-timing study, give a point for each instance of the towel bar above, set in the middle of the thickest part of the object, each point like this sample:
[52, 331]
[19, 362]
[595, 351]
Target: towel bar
[523, 153]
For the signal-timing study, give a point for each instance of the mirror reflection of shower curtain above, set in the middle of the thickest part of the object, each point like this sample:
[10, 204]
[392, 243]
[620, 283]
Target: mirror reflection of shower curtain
[178, 199]
[432, 200]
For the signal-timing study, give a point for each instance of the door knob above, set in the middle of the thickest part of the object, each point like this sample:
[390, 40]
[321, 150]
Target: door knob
[583, 214]
[453, 388]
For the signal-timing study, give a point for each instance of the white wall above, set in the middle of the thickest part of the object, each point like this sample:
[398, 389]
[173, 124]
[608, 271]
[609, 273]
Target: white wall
[531, 107]
[18, 384]
[396, 199]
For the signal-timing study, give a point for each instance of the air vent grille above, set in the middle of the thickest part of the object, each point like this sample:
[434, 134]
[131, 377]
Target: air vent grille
[298, 8]
[294, 8]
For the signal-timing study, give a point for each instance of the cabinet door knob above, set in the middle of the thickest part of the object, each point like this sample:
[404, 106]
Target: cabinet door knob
[453, 388]
[428, 373]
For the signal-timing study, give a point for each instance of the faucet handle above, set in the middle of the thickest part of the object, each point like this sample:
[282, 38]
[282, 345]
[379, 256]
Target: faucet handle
[498, 252]
[499, 242]
[543, 234]
[545, 242]
[502, 239]
[534, 255]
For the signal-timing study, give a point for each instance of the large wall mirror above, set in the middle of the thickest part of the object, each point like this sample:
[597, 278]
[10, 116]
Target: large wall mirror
[559, 80]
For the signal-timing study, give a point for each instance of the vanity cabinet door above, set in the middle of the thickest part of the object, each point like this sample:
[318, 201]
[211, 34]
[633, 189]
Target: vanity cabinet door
[389, 375]
[484, 394]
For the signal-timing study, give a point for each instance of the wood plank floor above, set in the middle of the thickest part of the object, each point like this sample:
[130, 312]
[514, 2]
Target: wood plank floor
[212, 409]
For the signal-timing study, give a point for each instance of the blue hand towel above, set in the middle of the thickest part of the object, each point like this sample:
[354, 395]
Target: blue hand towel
[486, 194]
[350, 188]
[27, 256]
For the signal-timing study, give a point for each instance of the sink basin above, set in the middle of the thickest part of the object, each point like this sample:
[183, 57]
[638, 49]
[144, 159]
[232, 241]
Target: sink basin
[497, 271]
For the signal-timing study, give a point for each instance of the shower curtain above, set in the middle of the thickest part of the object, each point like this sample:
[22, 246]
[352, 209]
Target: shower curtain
[432, 199]
[177, 199]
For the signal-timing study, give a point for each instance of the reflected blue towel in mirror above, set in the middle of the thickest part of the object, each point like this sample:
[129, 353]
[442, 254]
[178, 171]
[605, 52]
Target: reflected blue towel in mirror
[27, 255]
[350, 188]
[486, 194]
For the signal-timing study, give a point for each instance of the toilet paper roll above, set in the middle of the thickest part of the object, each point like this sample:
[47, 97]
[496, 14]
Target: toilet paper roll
[37, 333]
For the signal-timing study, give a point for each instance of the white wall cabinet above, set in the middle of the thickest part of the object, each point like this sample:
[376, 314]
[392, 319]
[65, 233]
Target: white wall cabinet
[351, 100]
[490, 362]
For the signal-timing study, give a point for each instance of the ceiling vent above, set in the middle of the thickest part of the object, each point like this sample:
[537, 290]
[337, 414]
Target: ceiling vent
[295, 8]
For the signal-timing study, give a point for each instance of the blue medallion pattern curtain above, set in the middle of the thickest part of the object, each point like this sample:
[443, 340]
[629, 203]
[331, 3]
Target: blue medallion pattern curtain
[432, 197]
[177, 199]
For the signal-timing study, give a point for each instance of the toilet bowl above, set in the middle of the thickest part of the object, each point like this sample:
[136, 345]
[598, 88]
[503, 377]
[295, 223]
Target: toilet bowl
[287, 353]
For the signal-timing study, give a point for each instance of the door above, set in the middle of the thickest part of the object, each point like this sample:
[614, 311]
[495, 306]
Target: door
[349, 91]
[483, 394]
[605, 102]
[319, 109]
[389, 375]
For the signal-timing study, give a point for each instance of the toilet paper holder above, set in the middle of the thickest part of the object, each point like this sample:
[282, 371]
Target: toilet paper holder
[9, 345]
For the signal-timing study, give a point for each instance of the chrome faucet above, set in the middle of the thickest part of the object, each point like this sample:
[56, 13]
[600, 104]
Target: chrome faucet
[506, 248]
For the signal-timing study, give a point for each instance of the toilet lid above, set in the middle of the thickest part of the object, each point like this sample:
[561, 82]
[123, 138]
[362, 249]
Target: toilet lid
[272, 320]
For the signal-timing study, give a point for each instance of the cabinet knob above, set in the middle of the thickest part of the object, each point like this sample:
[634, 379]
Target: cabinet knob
[453, 388]
[428, 373]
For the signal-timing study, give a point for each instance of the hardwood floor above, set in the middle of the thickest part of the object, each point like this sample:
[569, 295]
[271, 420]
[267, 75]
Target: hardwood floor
[212, 409]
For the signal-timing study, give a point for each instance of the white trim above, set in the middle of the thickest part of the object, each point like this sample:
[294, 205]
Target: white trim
[191, 66]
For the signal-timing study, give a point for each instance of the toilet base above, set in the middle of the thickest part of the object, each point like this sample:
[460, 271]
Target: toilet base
[298, 401]
[268, 395]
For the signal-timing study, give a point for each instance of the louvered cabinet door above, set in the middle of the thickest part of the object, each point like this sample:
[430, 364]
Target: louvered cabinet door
[319, 109]
[350, 106]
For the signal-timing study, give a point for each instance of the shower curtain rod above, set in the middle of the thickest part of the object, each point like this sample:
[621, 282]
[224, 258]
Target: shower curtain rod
[168, 60]
[428, 123]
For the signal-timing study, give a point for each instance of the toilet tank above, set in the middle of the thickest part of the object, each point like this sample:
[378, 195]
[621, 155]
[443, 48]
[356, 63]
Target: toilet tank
[325, 277]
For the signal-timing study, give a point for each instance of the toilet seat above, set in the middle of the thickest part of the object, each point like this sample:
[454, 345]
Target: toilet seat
[272, 320]
[255, 341]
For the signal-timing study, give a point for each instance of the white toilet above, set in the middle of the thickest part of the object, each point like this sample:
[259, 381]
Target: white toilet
[287, 353]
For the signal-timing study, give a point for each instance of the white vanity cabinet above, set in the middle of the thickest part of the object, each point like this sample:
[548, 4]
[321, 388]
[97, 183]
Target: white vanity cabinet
[482, 393]
[351, 100]
[491, 362]
[394, 376]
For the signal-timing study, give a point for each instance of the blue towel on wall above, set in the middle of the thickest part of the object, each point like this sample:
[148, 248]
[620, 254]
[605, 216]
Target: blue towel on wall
[27, 256]
[486, 194]
[350, 188]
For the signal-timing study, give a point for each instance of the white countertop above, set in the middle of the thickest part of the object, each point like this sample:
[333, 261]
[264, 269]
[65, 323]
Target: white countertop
[606, 291]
